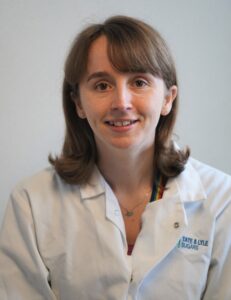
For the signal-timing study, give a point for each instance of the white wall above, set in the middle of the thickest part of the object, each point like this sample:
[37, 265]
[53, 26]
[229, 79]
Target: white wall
[35, 37]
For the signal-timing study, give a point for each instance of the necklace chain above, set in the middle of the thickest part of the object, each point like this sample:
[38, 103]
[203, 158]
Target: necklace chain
[158, 194]
[130, 212]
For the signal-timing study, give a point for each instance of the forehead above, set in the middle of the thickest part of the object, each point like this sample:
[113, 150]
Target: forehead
[98, 55]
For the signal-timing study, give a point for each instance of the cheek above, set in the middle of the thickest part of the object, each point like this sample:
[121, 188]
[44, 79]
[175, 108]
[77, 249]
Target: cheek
[93, 114]
[153, 109]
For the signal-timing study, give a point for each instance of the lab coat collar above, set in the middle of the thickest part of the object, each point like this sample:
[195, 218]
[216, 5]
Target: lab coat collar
[187, 186]
[94, 187]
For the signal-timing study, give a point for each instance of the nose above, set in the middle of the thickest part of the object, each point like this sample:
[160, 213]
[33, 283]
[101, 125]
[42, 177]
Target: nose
[122, 98]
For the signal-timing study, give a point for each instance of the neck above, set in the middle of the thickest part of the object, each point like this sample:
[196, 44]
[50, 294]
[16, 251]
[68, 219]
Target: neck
[126, 172]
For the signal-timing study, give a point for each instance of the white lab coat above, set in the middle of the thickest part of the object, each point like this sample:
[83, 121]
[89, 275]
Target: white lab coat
[68, 242]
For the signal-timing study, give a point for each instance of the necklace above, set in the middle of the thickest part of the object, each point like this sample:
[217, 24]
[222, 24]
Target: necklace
[155, 194]
[130, 212]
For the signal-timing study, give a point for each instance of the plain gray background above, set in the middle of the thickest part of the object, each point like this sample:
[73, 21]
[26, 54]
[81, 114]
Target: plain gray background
[35, 37]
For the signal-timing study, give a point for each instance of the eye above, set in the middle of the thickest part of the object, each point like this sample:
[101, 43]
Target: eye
[102, 86]
[140, 83]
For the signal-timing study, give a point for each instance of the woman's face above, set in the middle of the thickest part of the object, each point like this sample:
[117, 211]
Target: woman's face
[122, 109]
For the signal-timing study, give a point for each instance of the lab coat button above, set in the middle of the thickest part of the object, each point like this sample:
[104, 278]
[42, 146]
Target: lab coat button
[131, 279]
[176, 225]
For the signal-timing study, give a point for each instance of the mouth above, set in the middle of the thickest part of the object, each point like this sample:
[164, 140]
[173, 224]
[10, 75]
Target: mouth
[121, 123]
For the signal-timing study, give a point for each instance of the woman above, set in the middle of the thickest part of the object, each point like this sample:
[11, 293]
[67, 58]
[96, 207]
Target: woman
[91, 227]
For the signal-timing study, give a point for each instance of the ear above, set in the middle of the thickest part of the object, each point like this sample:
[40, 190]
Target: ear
[170, 96]
[79, 109]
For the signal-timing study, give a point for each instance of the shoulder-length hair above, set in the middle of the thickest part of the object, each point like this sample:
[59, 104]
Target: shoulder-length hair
[133, 46]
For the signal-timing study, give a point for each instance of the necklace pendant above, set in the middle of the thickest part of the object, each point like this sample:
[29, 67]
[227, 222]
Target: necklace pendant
[129, 213]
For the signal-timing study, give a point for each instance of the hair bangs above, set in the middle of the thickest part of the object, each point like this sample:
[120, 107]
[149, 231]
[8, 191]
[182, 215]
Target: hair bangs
[130, 53]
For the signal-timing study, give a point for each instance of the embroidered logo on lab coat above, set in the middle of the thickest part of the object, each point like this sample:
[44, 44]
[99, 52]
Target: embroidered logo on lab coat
[192, 243]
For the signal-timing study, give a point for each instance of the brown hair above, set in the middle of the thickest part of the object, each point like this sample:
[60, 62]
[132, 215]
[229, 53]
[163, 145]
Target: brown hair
[133, 46]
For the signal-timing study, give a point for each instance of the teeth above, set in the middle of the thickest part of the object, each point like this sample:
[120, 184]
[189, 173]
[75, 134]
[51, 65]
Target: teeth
[118, 123]
[125, 123]
[121, 123]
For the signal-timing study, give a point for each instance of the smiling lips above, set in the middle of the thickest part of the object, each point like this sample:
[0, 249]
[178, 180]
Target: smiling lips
[122, 123]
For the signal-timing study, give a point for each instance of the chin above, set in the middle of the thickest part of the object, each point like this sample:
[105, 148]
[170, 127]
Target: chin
[125, 145]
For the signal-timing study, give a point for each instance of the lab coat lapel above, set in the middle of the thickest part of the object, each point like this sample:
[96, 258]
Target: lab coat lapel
[164, 222]
[113, 212]
[97, 186]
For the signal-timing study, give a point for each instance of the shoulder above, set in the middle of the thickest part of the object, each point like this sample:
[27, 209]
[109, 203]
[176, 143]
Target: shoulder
[43, 189]
[204, 168]
[216, 184]
[42, 181]
[211, 177]
[48, 187]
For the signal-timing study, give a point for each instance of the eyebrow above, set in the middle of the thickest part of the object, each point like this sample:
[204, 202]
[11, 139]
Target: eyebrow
[98, 75]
